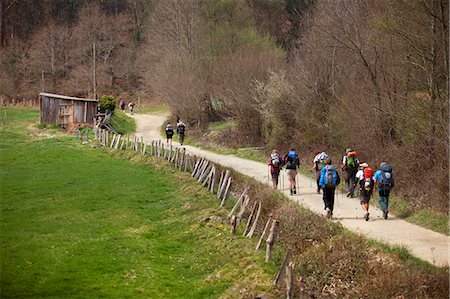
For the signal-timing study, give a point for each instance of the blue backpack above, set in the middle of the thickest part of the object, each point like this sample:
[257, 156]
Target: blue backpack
[387, 179]
[332, 178]
[292, 160]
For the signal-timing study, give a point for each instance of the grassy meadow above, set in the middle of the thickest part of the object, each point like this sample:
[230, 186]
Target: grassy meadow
[77, 222]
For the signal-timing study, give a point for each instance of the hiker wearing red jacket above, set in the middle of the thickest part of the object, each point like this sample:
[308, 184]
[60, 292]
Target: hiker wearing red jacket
[275, 163]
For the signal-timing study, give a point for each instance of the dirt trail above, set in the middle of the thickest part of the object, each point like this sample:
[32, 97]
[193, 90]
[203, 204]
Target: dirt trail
[423, 243]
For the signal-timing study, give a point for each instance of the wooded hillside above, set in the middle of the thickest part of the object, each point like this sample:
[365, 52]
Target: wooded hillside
[317, 75]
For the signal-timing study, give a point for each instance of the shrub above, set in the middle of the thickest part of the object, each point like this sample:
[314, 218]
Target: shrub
[107, 104]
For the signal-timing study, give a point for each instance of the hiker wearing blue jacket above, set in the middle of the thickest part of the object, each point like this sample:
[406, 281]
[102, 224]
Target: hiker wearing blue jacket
[384, 179]
[329, 180]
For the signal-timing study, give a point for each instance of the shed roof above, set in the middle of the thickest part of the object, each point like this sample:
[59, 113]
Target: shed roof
[52, 95]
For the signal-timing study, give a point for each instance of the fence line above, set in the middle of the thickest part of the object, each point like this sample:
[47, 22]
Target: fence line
[206, 173]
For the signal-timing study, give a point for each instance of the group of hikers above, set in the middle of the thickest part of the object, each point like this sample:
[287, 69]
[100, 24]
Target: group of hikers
[181, 131]
[356, 174]
[123, 105]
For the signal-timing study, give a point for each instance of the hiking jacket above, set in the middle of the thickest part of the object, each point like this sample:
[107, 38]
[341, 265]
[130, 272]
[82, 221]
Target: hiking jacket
[323, 176]
[169, 132]
[179, 130]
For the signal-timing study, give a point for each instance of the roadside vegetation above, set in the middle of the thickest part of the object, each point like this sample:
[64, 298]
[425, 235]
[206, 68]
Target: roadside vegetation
[122, 123]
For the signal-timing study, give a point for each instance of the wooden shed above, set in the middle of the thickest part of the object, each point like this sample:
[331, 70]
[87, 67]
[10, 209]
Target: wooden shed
[68, 112]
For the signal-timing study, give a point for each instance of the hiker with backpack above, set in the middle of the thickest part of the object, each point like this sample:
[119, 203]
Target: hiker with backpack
[181, 130]
[319, 163]
[275, 163]
[122, 104]
[384, 179]
[329, 180]
[292, 165]
[131, 107]
[349, 169]
[169, 134]
[364, 178]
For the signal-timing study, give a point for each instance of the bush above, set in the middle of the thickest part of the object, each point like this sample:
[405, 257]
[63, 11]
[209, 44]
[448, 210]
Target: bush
[107, 104]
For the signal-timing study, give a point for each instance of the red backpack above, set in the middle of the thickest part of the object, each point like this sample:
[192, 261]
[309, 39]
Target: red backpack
[368, 175]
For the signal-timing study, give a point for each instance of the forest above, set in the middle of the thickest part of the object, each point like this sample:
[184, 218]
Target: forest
[313, 74]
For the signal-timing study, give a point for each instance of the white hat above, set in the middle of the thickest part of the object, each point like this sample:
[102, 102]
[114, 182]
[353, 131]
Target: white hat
[364, 165]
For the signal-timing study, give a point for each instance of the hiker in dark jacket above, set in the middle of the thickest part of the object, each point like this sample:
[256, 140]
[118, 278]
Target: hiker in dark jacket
[275, 163]
[169, 134]
[181, 131]
[292, 163]
[349, 169]
[329, 180]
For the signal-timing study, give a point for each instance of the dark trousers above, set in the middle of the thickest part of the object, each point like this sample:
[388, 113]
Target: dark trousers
[318, 173]
[275, 175]
[350, 180]
[328, 197]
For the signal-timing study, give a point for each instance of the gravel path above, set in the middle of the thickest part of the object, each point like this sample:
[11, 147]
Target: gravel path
[423, 243]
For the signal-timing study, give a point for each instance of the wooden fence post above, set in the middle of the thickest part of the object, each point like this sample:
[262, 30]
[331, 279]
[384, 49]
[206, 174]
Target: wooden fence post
[250, 218]
[261, 238]
[222, 186]
[116, 147]
[255, 222]
[226, 193]
[289, 280]
[233, 225]
[281, 272]
[213, 181]
[271, 240]
[238, 202]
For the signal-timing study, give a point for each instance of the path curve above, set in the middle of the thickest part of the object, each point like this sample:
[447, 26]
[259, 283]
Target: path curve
[421, 242]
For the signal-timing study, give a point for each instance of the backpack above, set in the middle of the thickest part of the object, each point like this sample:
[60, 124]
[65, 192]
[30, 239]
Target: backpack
[351, 162]
[368, 181]
[169, 130]
[387, 179]
[292, 159]
[275, 160]
[181, 128]
[332, 178]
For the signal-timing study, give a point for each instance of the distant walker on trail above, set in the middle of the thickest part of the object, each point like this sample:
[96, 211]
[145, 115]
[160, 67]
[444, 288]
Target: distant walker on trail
[275, 163]
[131, 107]
[349, 169]
[319, 163]
[329, 180]
[181, 131]
[384, 179]
[292, 165]
[169, 134]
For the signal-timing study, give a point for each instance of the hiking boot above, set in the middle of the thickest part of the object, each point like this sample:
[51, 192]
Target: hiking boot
[295, 191]
[385, 214]
[329, 213]
[318, 191]
[292, 192]
[366, 216]
[349, 194]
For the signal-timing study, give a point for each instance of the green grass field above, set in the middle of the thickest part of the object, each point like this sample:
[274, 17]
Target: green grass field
[76, 222]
